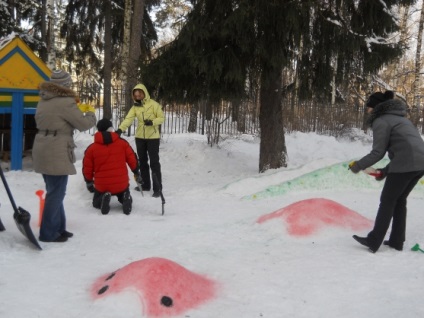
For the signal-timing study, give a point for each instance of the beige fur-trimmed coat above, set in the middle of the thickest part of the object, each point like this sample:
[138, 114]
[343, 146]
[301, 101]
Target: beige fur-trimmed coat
[57, 116]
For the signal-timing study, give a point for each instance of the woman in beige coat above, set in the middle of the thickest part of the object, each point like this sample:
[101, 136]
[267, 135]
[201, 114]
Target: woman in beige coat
[56, 117]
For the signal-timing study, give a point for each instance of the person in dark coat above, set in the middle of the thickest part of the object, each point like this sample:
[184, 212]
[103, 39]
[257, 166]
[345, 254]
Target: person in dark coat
[105, 168]
[395, 134]
[57, 116]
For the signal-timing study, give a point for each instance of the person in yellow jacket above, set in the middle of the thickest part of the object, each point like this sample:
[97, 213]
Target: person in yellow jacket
[147, 136]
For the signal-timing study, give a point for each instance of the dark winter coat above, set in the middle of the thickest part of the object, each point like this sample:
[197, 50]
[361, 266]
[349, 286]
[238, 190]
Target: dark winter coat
[395, 134]
[57, 116]
[149, 109]
[105, 161]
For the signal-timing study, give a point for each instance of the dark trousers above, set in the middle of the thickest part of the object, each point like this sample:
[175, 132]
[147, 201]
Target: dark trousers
[148, 149]
[53, 223]
[393, 206]
[97, 197]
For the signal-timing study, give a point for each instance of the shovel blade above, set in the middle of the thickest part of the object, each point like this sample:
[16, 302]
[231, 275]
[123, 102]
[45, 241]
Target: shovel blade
[2, 228]
[22, 218]
[141, 189]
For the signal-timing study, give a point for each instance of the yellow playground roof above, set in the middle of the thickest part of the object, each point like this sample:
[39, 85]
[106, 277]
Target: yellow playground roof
[20, 68]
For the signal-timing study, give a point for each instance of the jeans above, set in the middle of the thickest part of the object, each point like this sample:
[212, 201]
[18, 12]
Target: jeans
[53, 223]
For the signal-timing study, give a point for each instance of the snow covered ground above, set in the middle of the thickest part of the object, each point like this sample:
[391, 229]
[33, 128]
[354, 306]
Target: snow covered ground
[210, 229]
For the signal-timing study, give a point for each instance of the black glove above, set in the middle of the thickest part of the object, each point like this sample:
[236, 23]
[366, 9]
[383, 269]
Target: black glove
[353, 166]
[383, 174]
[137, 178]
[148, 122]
[90, 186]
[119, 132]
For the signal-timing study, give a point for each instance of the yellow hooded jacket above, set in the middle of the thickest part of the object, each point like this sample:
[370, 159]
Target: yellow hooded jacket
[149, 109]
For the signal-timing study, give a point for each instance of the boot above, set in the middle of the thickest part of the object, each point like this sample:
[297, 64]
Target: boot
[364, 241]
[67, 234]
[59, 239]
[127, 203]
[105, 207]
[398, 247]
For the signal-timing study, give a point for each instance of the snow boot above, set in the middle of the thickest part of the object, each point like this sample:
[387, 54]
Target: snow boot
[364, 241]
[67, 234]
[398, 247]
[105, 207]
[59, 239]
[127, 203]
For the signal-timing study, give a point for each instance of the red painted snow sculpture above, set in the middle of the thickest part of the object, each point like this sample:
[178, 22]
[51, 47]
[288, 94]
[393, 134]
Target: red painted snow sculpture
[165, 287]
[308, 216]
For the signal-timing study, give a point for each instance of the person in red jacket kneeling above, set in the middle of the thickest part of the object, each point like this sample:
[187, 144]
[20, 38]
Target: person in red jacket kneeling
[105, 168]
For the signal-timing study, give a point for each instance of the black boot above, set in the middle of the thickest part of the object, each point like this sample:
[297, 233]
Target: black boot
[127, 203]
[364, 241]
[59, 239]
[67, 234]
[397, 247]
[105, 207]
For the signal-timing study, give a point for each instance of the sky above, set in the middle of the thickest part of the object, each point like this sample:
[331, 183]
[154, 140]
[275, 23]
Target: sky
[232, 242]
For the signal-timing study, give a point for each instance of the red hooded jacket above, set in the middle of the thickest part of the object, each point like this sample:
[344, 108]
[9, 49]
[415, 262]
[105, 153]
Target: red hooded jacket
[105, 161]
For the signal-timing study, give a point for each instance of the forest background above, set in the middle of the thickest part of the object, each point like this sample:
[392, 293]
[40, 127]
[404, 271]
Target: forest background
[231, 67]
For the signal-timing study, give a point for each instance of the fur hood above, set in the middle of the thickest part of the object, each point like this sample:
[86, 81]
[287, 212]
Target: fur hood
[49, 90]
[391, 106]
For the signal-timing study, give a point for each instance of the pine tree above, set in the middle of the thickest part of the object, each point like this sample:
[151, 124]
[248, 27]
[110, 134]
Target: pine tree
[7, 23]
[226, 44]
[93, 31]
[13, 13]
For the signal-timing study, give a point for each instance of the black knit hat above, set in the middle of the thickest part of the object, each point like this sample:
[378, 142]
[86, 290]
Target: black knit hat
[104, 124]
[378, 97]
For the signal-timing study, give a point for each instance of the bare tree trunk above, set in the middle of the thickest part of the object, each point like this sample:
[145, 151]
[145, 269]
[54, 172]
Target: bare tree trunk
[193, 117]
[208, 110]
[51, 48]
[43, 51]
[416, 87]
[235, 111]
[404, 33]
[273, 151]
[107, 75]
[333, 82]
[404, 13]
[239, 110]
[369, 90]
[135, 50]
[335, 65]
[125, 54]
[297, 81]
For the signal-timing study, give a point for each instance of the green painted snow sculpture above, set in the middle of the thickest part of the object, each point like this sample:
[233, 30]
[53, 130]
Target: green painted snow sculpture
[336, 177]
